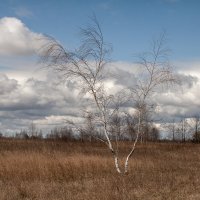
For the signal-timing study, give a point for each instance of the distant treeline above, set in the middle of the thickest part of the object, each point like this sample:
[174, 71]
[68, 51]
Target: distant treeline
[150, 133]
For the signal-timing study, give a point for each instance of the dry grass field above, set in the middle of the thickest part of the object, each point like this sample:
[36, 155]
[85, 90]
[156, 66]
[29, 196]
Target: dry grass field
[55, 170]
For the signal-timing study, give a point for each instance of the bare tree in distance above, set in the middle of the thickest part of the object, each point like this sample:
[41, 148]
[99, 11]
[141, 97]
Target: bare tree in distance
[88, 131]
[32, 130]
[191, 127]
[184, 128]
[196, 128]
[86, 65]
[130, 124]
[171, 128]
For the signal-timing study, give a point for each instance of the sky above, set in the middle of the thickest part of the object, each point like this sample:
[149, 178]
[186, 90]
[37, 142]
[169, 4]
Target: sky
[29, 94]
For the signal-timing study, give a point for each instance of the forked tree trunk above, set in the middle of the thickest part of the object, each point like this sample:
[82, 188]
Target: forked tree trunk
[116, 159]
[129, 155]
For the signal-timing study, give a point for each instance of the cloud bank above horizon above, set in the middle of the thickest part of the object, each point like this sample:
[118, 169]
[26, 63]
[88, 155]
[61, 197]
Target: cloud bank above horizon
[27, 94]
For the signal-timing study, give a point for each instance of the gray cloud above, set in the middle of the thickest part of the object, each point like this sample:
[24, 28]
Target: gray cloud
[35, 100]
[7, 85]
[175, 102]
[181, 101]
[47, 101]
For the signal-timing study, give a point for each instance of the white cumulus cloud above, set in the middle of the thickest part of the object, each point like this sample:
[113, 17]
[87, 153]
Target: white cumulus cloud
[16, 38]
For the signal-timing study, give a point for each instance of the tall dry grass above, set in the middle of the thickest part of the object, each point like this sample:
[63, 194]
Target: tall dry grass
[55, 170]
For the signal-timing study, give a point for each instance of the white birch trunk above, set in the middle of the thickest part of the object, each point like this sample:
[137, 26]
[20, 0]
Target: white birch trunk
[133, 148]
[117, 164]
[112, 150]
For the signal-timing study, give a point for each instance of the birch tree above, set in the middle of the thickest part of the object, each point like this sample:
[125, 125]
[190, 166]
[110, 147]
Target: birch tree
[155, 71]
[86, 66]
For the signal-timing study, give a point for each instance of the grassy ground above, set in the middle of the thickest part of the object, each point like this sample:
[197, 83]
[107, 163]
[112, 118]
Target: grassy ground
[47, 170]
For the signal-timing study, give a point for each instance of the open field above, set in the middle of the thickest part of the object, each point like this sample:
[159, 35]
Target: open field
[55, 170]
